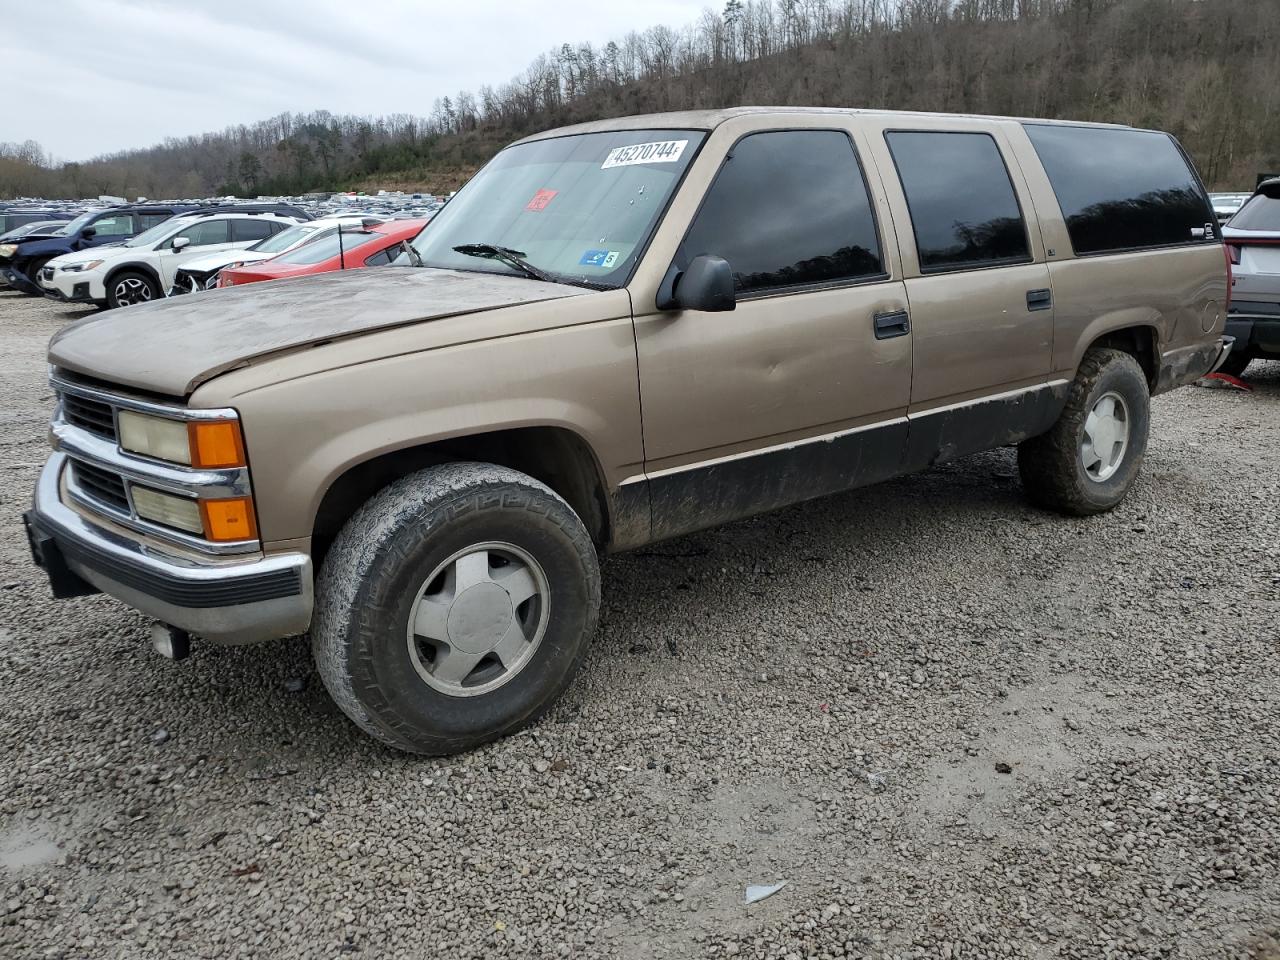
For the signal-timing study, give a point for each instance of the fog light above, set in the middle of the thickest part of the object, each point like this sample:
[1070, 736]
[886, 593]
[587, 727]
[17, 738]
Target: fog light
[167, 509]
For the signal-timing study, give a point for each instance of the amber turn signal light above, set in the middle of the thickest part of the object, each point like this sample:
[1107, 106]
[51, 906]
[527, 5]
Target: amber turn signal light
[216, 444]
[228, 520]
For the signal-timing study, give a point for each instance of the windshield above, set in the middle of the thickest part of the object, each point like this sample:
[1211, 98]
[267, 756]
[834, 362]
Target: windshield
[154, 235]
[325, 247]
[284, 239]
[77, 223]
[580, 208]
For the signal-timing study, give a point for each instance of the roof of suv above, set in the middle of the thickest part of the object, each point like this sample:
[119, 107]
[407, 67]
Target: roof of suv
[710, 119]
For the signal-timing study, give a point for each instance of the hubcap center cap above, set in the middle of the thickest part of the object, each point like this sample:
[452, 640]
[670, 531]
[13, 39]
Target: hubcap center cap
[480, 617]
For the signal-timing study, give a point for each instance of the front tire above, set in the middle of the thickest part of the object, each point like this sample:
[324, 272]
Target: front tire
[131, 288]
[455, 607]
[1090, 458]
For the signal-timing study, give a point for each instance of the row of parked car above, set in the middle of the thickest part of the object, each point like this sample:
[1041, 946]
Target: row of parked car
[123, 255]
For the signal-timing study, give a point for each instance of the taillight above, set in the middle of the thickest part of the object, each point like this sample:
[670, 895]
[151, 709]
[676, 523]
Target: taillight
[1231, 253]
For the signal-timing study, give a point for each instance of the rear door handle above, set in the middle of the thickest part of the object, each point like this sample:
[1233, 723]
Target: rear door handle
[1039, 299]
[888, 325]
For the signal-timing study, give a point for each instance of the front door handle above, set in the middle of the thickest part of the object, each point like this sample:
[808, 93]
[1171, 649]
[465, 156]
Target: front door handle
[1039, 299]
[895, 324]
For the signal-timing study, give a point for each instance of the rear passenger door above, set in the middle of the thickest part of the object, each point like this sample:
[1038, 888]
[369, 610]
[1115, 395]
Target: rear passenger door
[802, 389]
[979, 291]
[204, 236]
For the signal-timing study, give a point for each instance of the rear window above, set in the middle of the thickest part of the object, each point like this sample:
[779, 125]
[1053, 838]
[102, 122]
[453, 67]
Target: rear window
[326, 247]
[963, 207]
[1260, 212]
[1121, 189]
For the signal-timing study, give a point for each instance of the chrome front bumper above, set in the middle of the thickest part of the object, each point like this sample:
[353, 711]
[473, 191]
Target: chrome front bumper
[230, 600]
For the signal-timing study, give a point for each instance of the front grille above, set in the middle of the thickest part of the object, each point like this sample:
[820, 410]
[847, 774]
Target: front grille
[91, 415]
[103, 486]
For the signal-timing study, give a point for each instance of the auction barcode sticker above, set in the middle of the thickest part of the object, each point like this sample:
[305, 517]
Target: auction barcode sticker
[663, 151]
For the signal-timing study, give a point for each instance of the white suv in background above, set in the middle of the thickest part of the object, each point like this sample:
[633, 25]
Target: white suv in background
[201, 273]
[141, 269]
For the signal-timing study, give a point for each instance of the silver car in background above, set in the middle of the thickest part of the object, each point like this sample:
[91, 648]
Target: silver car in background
[1252, 239]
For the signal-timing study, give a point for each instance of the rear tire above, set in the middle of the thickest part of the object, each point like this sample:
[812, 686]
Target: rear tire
[1235, 364]
[1090, 458]
[131, 288]
[454, 607]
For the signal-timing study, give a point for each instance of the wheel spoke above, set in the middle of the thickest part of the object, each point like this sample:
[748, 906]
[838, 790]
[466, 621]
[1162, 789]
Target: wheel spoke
[1106, 407]
[1091, 424]
[517, 581]
[453, 665]
[432, 619]
[512, 645]
[1089, 455]
[470, 570]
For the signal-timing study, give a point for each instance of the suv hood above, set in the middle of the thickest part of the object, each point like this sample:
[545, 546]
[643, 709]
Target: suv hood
[102, 252]
[173, 346]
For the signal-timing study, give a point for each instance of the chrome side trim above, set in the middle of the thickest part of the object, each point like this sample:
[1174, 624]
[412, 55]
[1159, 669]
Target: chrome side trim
[126, 402]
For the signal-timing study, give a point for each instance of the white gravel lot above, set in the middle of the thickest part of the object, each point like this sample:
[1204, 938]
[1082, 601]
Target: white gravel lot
[825, 696]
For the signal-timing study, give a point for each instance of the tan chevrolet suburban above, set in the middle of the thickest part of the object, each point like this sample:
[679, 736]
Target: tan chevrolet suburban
[616, 333]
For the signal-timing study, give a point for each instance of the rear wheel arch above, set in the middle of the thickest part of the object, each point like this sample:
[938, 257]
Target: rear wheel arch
[556, 456]
[1141, 341]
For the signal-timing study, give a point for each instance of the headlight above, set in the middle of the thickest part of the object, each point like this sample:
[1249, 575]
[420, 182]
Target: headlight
[209, 444]
[167, 509]
[156, 437]
[8, 249]
[81, 267]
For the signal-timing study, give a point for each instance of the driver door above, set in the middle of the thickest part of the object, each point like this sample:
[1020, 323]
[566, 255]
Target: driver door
[802, 389]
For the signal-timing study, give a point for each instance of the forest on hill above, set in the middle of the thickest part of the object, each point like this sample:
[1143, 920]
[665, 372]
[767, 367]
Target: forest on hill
[1206, 70]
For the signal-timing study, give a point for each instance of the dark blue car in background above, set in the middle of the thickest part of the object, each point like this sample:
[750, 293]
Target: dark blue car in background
[21, 260]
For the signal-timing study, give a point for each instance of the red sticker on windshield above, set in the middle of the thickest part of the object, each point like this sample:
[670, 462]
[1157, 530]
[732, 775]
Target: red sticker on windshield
[540, 200]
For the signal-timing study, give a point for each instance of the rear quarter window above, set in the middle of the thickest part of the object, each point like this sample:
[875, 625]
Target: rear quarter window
[1121, 189]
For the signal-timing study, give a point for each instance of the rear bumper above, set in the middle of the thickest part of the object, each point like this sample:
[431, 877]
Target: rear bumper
[227, 601]
[1256, 327]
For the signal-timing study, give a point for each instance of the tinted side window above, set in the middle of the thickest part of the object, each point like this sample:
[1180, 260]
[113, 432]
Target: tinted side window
[1120, 189]
[149, 220]
[205, 232]
[117, 225]
[963, 206]
[382, 257]
[242, 230]
[788, 208]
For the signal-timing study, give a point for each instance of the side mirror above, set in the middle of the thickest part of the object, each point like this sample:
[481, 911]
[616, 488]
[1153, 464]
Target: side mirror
[88, 233]
[706, 284]
[179, 243]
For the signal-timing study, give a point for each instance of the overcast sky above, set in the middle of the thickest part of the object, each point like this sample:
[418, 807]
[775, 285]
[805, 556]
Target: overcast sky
[86, 77]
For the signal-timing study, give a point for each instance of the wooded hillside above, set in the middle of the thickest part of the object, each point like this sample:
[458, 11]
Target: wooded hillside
[1206, 70]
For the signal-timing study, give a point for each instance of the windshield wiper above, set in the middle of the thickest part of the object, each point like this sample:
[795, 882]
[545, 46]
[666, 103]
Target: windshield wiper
[512, 258]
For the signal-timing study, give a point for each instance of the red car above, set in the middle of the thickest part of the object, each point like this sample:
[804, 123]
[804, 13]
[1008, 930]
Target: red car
[374, 245]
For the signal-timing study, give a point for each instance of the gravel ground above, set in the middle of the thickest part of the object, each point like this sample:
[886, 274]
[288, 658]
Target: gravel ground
[957, 726]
